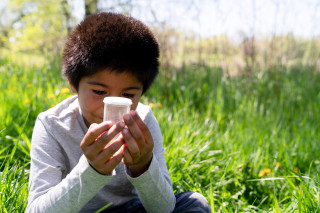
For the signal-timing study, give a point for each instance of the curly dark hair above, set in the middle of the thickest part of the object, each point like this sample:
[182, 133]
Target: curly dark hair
[111, 41]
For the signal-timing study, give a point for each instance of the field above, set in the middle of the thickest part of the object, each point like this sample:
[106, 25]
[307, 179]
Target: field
[249, 143]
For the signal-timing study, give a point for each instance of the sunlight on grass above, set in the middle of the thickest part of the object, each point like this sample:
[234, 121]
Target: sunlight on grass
[248, 144]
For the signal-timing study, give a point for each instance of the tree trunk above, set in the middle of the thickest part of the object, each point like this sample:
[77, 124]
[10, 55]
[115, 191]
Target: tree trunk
[91, 7]
[67, 14]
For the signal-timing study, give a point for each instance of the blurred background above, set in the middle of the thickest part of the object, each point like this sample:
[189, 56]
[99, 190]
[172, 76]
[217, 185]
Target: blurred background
[237, 36]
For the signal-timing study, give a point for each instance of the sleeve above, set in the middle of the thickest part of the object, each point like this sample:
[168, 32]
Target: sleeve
[154, 186]
[48, 191]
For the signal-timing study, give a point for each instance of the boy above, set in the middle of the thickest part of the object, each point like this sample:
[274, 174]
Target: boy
[72, 169]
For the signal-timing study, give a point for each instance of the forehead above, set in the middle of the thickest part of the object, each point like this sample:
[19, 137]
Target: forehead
[114, 79]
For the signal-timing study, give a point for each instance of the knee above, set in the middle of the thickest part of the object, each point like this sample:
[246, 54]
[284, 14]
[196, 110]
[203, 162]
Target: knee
[201, 202]
[192, 202]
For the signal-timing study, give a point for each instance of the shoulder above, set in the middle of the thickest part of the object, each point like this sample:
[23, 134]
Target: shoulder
[144, 111]
[148, 117]
[63, 113]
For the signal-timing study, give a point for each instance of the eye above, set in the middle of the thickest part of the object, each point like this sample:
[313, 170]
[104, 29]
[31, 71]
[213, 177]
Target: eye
[128, 95]
[99, 92]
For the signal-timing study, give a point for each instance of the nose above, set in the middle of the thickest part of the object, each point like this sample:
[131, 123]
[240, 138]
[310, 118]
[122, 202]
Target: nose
[114, 94]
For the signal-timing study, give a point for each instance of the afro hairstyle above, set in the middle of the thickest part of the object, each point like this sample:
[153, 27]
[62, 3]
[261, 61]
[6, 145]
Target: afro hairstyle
[111, 41]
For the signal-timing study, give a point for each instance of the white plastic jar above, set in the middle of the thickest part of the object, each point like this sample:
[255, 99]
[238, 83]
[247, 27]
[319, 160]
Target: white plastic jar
[115, 108]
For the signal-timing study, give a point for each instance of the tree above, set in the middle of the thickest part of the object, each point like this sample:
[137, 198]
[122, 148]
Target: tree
[4, 27]
[39, 26]
[122, 6]
[91, 7]
[67, 14]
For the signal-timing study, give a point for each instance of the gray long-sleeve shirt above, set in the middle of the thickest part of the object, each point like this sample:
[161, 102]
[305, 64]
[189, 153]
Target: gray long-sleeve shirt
[61, 179]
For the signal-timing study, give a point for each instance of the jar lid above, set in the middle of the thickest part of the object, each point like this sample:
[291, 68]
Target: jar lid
[117, 101]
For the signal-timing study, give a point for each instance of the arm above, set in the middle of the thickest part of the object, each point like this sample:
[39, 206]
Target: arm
[153, 182]
[49, 191]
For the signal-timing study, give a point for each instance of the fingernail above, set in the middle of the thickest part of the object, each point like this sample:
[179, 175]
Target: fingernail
[125, 131]
[122, 124]
[126, 117]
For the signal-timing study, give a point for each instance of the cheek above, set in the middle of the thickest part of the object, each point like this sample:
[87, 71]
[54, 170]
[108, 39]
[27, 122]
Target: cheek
[133, 106]
[92, 106]
[135, 103]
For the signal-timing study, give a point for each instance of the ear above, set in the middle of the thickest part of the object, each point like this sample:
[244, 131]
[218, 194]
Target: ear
[73, 89]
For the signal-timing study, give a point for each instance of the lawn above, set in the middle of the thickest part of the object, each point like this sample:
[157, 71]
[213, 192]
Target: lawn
[248, 143]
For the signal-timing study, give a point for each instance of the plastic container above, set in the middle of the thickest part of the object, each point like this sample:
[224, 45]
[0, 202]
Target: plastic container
[115, 108]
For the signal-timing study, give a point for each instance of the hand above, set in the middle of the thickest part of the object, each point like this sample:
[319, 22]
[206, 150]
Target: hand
[98, 149]
[138, 145]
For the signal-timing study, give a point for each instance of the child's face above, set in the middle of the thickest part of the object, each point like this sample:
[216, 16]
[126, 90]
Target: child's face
[93, 89]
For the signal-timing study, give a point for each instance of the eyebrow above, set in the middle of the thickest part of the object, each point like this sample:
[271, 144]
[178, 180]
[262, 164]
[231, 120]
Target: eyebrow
[106, 86]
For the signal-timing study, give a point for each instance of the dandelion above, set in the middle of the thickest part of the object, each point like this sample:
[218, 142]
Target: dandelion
[65, 90]
[277, 164]
[155, 105]
[29, 85]
[264, 172]
[51, 95]
[159, 105]
[27, 101]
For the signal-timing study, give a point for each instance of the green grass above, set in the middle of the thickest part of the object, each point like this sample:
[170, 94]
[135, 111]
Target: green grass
[247, 143]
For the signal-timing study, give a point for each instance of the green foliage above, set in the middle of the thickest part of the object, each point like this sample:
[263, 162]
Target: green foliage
[13, 187]
[25, 92]
[222, 132]
[247, 143]
[40, 26]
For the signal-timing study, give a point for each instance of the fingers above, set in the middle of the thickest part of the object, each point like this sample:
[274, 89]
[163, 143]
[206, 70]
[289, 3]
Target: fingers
[137, 128]
[108, 158]
[94, 131]
[102, 154]
[131, 144]
[99, 135]
[127, 159]
[107, 136]
[138, 139]
[142, 127]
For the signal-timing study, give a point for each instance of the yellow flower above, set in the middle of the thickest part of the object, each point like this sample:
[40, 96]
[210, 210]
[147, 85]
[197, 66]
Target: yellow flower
[65, 90]
[29, 85]
[264, 172]
[14, 88]
[155, 105]
[27, 101]
[277, 164]
[51, 95]
[52, 105]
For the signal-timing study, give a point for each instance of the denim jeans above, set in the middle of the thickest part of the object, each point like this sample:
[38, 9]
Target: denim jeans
[185, 202]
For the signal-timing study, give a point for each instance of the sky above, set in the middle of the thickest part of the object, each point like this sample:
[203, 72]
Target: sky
[232, 17]
[261, 17]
